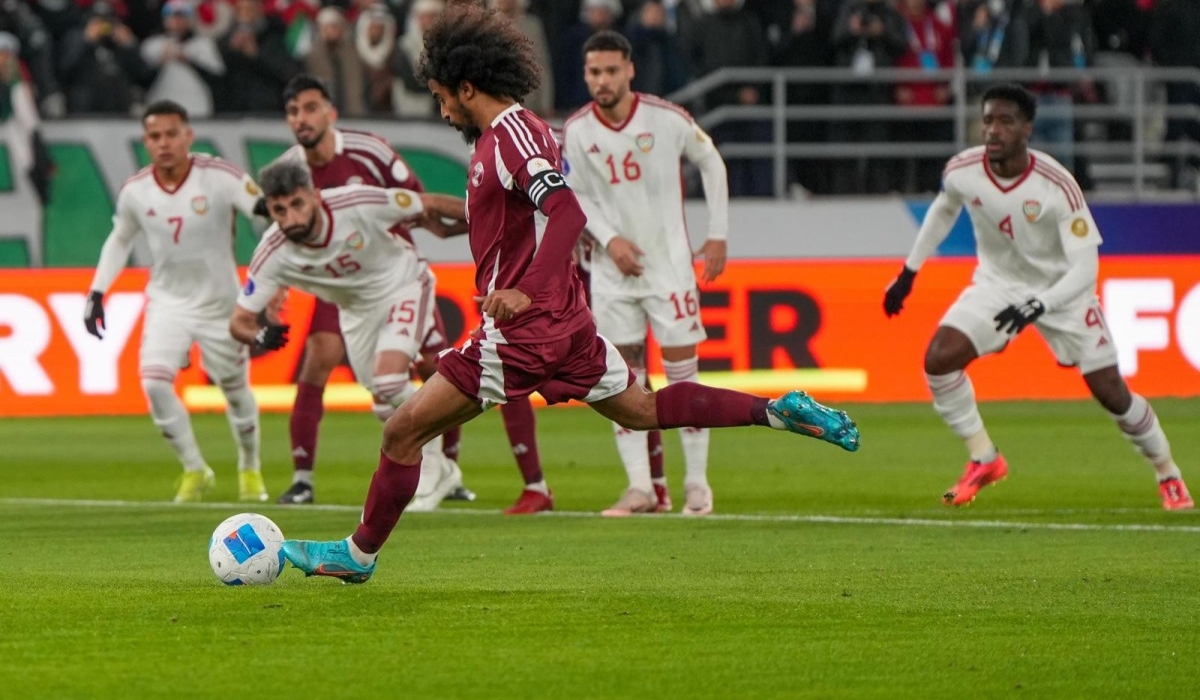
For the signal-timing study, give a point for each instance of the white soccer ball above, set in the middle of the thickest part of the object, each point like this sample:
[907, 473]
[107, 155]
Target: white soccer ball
[246, 549]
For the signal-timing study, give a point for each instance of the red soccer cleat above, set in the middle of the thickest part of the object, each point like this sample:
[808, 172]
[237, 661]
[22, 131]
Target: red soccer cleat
[1175, 495]
[975, 476]
[530, 502]
[664, 498]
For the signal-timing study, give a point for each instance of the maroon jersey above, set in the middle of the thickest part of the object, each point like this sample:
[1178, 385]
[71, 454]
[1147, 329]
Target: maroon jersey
[516, 167]
[361, 158]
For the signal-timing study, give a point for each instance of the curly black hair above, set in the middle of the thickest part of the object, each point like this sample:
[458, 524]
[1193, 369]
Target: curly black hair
[1011, 92]
[483, 47]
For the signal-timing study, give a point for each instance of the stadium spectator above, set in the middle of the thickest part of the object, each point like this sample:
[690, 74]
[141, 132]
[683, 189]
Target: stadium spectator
[868, 34]
[931, 32]
[189, 65]
[375, 39]
[541, 100]
[596, 15]
[804, 43]
[411, 98]
[257, 61]
[19, 127]
[659, 65]
[335, 60]
[992, 34]
[102, 67]
[36, 52]
[1175, 28]
[729, 35]
[1060, 36]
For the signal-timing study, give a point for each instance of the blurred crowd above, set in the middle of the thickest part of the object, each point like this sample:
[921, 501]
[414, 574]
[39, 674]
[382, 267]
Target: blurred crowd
[224, 57]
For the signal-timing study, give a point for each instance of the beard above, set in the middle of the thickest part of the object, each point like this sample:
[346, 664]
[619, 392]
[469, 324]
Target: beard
[310, 141]
[609, 100]
[301, 232]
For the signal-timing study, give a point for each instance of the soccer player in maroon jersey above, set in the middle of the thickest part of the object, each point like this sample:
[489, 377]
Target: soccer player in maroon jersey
[338, 157]
[537, 333]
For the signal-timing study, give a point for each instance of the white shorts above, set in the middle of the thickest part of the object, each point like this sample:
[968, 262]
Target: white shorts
[402, 325]
[168, 335]
[1077, 334]
[674, 318]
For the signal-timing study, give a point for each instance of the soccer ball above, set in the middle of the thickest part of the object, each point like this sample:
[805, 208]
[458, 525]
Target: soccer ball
[246, 549]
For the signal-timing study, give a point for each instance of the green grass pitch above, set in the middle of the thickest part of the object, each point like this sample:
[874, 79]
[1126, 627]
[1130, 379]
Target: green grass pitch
[845, 578]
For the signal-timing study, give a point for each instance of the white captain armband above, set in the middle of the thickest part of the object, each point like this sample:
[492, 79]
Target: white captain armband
[543, 180]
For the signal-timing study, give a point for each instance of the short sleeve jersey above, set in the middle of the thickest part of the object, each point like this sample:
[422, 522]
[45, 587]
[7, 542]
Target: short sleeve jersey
[1024, 227]
[356, 263]
[631, 173]
[505, 188]
[189, 230]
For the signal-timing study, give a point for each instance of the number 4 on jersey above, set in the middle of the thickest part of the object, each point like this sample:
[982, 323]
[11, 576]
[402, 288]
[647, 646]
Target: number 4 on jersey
[1006, 227]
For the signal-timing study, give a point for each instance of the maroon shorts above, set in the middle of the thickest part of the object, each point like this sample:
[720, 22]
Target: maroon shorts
[325, 320]
[583, 366]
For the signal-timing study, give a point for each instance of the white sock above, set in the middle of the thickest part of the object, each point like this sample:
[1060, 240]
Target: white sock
[242, 414]
[540, 487]
[954, 400]
[171, 417]
[360, 557]
[1141, 427]
[302, 476]
[694, 440]
[632, 445]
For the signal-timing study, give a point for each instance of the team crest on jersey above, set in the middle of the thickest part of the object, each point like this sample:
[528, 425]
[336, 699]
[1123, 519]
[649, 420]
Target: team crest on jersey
[1079, 227]
[355, 240]
[1032, 209]
[354, 180]
[252, 189]
[200, 204]
[477, 175]
[645, 142]
[403, 200]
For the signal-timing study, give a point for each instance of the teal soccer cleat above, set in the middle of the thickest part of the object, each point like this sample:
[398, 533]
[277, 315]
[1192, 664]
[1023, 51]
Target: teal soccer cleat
[326, 559]
[801, 414]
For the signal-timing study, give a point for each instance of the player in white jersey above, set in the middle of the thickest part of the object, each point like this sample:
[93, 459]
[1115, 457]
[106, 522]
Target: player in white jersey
[339, 245]
[184, 204]
[623, 151]
[1038, 260]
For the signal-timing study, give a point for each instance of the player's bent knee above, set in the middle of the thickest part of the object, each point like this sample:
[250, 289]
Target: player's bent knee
[160, 394]
[399, 435]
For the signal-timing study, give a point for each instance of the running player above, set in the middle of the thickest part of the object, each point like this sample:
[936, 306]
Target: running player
[536, 333]
[624, 150]
[184, 204]
[1038, 260]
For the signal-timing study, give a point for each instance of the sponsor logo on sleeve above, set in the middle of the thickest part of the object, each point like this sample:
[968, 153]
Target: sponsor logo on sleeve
[403, 200]
[1079, 227]
[400, 171]
[252, 189]
[538, 165]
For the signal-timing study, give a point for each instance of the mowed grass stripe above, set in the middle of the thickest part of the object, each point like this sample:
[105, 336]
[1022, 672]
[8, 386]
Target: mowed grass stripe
[817, 519]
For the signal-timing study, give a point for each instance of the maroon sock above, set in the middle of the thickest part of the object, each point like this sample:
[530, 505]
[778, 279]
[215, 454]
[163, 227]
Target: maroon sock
[691, 405]
[306, 418]
[521, 427]
[392, 487]
[450, 440]
[655, 446]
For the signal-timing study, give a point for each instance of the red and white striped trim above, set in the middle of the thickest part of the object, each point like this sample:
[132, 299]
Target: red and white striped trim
[357, 198]
[655, 101]
[369, 144]
[1065, 182]
[207, 161]
[576, 116]
[958, 164]
[273, 243]
[521, 136]
[139, 175]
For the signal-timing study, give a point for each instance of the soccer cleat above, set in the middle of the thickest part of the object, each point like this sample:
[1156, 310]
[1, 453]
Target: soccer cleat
[664, 498]
[801, 414]
[299, 493]
[460, 492]
[698, 499]
[251, 487]
[194, 484]
[437, 481]
[1175, 495]
[632, 501]
[975, 476]
[530, 502]
[326, 559]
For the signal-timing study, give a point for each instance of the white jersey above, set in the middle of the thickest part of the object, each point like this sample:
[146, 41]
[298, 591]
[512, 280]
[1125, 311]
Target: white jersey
[628, 179]
[1024, 228]
[356, 263]
[190, 231]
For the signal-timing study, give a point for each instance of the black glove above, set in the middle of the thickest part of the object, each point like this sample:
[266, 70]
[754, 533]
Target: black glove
[260, 208]
[898, 291]
[93, 314]
[1014, 319]
[271, 337]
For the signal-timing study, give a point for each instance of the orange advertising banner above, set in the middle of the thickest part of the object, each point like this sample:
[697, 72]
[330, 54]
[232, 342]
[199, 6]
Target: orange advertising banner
[772, 325]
